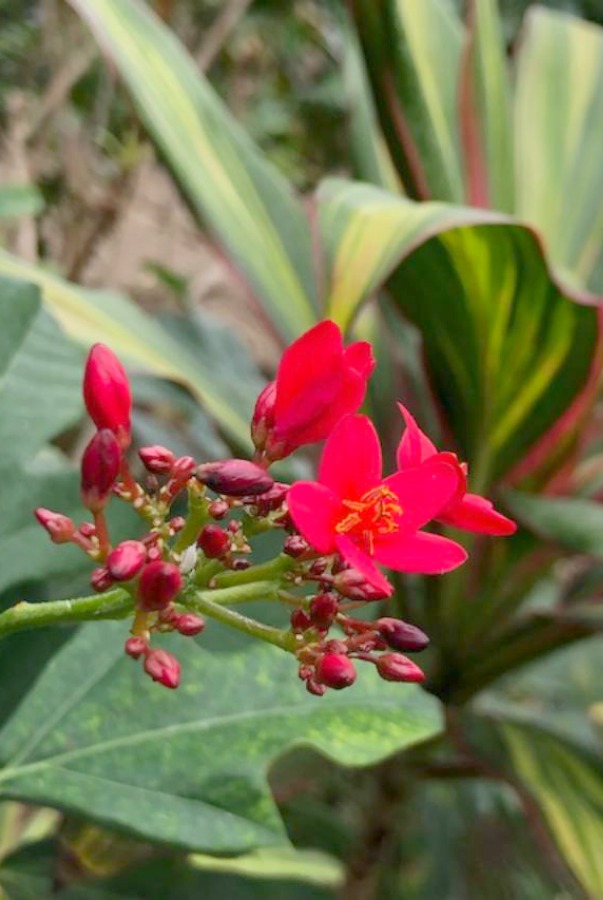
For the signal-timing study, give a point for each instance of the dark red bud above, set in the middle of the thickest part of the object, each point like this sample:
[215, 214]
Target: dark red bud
[235, 477]
[263, 416]
[336, 647]
[351, 584]
[135, 647]
[188, 624]
[295, 546]
[271, 500]
[100, 468]
[313, 687]
[214, 541]
[323, 610]
[163, 668]
[300, 620]
[154, 553]
[218, 509]
[101, 580]
[335, 671]
[395, 667]
[401, 635]
[304, 672]
[107, 393]
[126, 560]
[157, 459]
[60, 528]
[239, 565]
[160, 582]
[317, 568]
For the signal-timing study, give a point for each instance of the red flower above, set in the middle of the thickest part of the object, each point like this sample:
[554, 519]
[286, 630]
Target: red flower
[317, 383]
[352, 511]
[107, 393]
[468, 511]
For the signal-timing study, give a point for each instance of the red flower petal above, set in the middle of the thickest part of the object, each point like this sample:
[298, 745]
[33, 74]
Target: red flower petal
[349, 390]
[428, 554]
[475, 513]
[315, 510]
[359, 356]
[424, 492]
[351, 460]
[415, 446]
[309, 363]
[363, 564]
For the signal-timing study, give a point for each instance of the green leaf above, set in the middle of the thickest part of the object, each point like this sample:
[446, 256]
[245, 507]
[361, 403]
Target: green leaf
[559, 130]
[247, 205]
[89, 316]
[189, 767]
[40, 374]
[19, 200]
[575, 524]
[507, 351]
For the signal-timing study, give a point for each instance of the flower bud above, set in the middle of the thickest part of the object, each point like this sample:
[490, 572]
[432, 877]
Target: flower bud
[214, 541]
[295, 546]
[262, 420]
[395, 667]
[218, 509]
[300, 620]
[157, 459]
[87, 529]
[163, 667]
[323, 610]
[135, 647]
[239, 565]
[183, 468]
[107, 393]
[60, 528]
[335, 671]
[271, 500]
[100, 468]
[126, 560]
[189, 624]
[176, 524]
[351, 584]
[313, 687]
[160, 582]
[401, 635]
[235, 477]
[101, 580]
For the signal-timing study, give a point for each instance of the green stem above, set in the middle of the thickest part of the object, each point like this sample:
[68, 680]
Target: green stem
[244, 593]
[110, 605]
[200, 602]
[197, 517]
[273, 570]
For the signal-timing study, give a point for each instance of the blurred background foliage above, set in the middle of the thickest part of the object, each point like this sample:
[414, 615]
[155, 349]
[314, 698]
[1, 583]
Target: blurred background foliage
[510, 803]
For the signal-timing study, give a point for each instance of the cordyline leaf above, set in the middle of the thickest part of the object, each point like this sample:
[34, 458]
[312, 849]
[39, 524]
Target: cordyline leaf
[89, 316]
[576, 524]
[189, 767]
[509, 354]
[229, 185]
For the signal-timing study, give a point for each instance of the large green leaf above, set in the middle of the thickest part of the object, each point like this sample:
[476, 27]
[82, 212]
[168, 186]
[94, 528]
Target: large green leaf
[189, 767]
[507, 351]
[229, 185]
[90, 316]
[575, 524]
[40, 374]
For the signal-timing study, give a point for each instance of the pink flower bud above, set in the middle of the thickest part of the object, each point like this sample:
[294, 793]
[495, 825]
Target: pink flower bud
[300, 620]
[101, 580]
[163, 667]
[354, 586]
[401, 635]
[235, 477]
[395, 667]
[107, 393]
[177, 524]
[188, 624]
[218, 509]
[262, 420]
[126, 560]
[295, 546]
[160, 582]
[313, 687]
[100, 468]
[135, 647]
[335, 671]
[323, 610]
[60, 528]
[157, 459]
[183, 468]
[214, 541]
[87, 529]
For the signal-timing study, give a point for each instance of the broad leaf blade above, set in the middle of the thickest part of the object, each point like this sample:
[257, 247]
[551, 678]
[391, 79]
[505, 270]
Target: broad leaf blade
[229, 185]
[573, 523]
[189, 767]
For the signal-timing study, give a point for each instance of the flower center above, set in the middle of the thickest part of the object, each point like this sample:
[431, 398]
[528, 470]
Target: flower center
[375, 513]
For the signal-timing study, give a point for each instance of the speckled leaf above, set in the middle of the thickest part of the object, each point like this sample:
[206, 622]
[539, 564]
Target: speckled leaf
[96, 737]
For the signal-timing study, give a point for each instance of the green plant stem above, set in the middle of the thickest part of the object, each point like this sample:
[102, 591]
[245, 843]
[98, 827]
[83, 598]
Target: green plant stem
[111, 605]
[268, 571]
[228, 596]
[196, 519]
[201, 603]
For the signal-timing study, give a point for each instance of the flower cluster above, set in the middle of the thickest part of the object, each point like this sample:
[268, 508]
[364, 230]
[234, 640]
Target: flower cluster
[337, 531]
